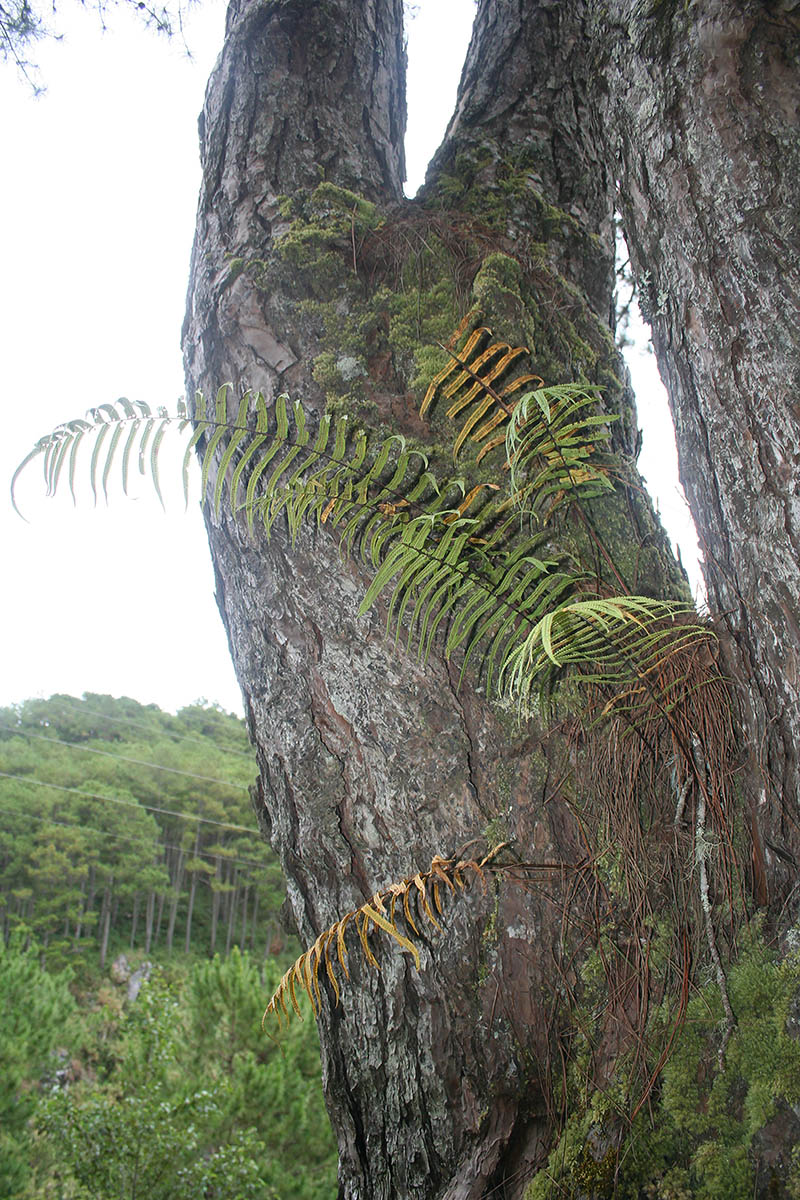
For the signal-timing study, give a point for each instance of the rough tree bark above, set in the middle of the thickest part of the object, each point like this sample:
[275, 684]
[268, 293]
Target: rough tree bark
[439, 1082]
[704, 104]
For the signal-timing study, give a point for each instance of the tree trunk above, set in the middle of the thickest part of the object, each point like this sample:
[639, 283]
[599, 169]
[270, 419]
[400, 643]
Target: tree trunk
[162, 896]
[81, 912]
[134, 918]
[91, 890]
[439, 1083]
[192, 892]
[708, 156]
[105, 920]
[177, 885]
[216, 896]
[253, 924]
[233, 896]
[148, 920]
[243, 935]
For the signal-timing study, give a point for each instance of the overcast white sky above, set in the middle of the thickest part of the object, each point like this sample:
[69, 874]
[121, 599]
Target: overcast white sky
[97, 212]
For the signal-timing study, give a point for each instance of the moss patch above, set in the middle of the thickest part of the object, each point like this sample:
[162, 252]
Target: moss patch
[716, 1133]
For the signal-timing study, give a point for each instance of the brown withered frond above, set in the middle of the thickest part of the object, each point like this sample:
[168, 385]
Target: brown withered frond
[420, 896]
[552, 436]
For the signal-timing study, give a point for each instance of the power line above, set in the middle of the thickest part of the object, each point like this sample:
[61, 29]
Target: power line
[169, 812]
[178, 737]
[122, 837]
[123, 758]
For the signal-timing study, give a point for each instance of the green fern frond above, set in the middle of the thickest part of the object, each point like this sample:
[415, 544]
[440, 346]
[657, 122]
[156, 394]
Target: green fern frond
[451, 559]
[438, 550]
[469, 578]
[551, 445]
[616, 639]
[103, 430]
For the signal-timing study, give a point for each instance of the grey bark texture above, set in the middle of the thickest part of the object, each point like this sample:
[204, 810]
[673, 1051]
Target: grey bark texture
[439, 1083]
[704, 104]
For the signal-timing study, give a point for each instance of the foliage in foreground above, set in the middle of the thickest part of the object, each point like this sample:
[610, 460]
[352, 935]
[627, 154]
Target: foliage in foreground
[114, 830]
[34, 1009]
[174, 1096]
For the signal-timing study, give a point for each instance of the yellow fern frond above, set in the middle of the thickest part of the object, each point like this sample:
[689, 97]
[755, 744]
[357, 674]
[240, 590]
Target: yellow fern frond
[376, 913]
[473, 383]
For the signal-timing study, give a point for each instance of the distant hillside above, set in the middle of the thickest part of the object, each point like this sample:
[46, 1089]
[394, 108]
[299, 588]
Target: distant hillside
[126, 830]
[123, 826]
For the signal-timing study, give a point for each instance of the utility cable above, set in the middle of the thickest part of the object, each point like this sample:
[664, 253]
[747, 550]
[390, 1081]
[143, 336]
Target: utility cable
[176, 737]
[123, 758]
[168, 812]
[122, 837]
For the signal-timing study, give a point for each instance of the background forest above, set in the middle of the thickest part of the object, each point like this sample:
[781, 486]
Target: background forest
[141, 937]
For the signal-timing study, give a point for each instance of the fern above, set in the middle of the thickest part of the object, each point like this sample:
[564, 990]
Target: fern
[145, 435]
[468, 382]
[620, 638]
[456, 564]
[444, 554]
[551, 448]
[453, 560]
[418, 895]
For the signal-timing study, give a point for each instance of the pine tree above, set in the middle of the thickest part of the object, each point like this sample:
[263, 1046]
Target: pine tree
[312, 275]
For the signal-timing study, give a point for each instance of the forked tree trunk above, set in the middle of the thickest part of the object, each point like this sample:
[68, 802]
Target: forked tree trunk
[439, 1083]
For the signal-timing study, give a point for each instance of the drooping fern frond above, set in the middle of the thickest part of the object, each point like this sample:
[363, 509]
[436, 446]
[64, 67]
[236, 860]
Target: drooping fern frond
[444, 554]
[616, 639]
[418, 896]
[551, 442]
[481, 590]
[452, 559]
[104, 430]
[262, 456]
